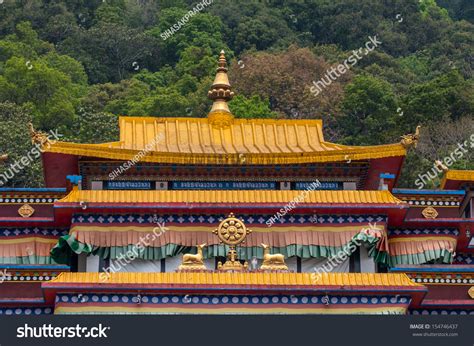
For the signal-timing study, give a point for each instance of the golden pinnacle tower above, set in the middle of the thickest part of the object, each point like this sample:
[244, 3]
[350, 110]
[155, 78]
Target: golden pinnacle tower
[221, 92]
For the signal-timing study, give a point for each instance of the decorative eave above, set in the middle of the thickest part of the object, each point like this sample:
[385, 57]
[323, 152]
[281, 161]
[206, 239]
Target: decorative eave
[244, 280]
[334, 284]
[344, 154]
[235, 197]
[453, 179]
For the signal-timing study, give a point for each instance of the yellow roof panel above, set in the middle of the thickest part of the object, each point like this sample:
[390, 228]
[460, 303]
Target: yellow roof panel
[230, 196]
[458, 175]
[216, 278]
[239, 141]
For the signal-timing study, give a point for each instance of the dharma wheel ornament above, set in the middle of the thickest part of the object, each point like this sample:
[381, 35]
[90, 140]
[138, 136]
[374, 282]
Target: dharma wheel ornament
[232, 231]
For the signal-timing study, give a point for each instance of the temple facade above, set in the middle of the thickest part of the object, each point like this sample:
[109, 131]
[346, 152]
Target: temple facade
[219, 215]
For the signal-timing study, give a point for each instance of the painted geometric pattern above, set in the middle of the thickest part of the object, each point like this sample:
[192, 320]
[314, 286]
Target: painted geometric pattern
[442, 278]
[25, 311]
[214, 219]
[20, 199]
[28, 245]
[440, 312]
[30, 276]
[123, 303]
[464, 258]
[423, 231]
[46, 232]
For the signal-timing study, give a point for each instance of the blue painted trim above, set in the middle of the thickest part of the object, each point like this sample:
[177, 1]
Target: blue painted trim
[429, 192]
[33, 189]
[74, 179]
[34, 266]
[387, 176]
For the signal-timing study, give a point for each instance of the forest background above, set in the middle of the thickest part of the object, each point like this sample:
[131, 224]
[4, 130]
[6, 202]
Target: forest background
[74, 66]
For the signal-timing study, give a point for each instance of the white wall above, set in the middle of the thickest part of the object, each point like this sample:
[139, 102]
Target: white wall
[367, 264]
[311, 265]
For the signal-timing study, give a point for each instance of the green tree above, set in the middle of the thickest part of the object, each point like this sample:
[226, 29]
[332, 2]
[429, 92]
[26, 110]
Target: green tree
[16, 143]
[95, 127]
[249, 108]
[369, 112]
[202, 30]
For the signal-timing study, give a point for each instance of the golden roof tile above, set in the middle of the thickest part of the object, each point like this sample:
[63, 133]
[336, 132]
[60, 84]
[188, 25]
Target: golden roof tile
[248, 279]
[231, 196]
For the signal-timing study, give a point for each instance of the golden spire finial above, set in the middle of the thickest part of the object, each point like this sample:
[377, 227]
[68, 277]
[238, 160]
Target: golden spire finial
[220, 91]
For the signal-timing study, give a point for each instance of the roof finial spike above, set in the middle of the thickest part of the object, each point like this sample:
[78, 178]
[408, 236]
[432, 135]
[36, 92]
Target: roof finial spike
[220, 91]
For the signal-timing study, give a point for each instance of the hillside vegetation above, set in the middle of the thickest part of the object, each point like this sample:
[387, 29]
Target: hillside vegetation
[74, 66]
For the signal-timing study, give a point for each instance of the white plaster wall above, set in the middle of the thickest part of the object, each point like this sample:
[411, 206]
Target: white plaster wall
[311, 265]
[92, 264]
[137, 265]
[367, 264]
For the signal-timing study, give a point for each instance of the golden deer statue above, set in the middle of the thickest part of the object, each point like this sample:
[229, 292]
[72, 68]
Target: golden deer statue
[193, 262]
[272, 262]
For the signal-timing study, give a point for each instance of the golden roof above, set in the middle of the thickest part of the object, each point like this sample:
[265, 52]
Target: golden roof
[248, 279]
[230, 196]
[220, 139]
[458, 175]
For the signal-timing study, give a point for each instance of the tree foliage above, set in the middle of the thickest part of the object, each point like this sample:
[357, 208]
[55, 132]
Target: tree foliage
[74, 66]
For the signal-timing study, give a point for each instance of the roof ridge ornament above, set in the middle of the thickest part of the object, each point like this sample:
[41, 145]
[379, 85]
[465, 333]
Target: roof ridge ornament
[411, 140]
[37, 137]
[221, 93]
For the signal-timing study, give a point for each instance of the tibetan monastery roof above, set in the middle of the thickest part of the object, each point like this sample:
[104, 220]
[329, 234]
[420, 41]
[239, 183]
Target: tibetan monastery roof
[230, 196]
[452, 178]
[247, 279]
[222, 139]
